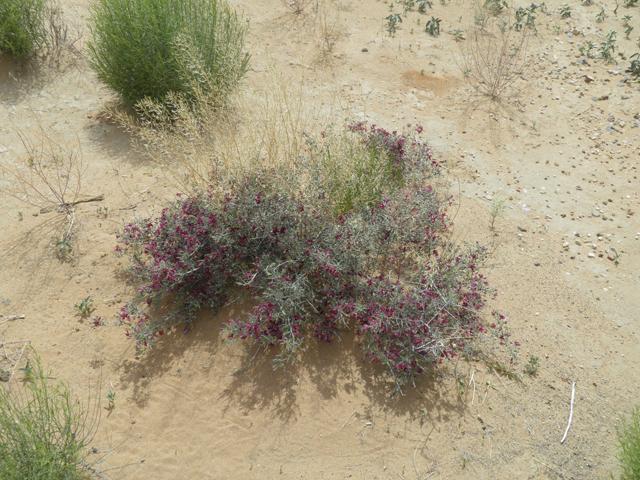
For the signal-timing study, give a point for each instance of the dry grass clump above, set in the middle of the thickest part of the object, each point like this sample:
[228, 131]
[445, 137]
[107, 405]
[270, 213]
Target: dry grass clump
[496, 59]
[266, 127]
[48, 175]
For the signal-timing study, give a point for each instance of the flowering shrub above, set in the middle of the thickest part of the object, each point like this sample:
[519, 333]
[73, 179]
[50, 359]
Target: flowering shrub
[383, 266]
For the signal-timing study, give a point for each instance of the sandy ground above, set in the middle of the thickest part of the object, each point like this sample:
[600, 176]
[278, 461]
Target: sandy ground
[566, 163]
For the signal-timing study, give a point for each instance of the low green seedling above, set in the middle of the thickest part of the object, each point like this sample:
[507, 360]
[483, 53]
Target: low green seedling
[433, 27]
[498, 206]
[635, 65]
[392, 21]
[565, 12]
[111, 397]
[84, 308]
[628, 31]
[423, 4]
[607, 47]
[458, 35]
[532, 366]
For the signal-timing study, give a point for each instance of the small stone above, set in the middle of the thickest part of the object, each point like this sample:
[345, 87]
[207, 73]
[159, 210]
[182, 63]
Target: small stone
[591, 255]
[595, 213]
[622, 123]
[537, 264]
[588, 78]
[365, 49]
[522, 229]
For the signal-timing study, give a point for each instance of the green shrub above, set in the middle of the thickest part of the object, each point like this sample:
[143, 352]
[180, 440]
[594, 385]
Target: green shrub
[144, 48]
[43, 429]
[629, 445]
[22, 26]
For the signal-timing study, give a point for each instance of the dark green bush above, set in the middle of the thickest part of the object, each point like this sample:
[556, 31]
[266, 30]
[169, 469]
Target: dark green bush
[43, 429]
[148, 48]
[22, 26]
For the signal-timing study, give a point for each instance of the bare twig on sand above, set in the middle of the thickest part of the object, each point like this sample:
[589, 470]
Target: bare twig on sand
[65, 206]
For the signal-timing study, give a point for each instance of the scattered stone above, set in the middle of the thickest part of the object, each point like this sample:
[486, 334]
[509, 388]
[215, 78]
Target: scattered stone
[365, 49]
[522, 229]
[595, 213]
[588, 78]
[537, 264]
[592, 255]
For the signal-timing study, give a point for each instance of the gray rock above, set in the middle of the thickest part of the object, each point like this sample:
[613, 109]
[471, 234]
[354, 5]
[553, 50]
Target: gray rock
[595, 213]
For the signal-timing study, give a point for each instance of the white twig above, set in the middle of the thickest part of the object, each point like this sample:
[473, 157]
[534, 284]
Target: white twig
[11, 317]
[573, 394]
[474, 387]
[345, 423]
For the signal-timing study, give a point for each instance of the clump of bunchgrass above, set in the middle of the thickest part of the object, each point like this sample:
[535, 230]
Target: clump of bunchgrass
[629, 445]
[146, 49]
[22, 27]
[44, 430]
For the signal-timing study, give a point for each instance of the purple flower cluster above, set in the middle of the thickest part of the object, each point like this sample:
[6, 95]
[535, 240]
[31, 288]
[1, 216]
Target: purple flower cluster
[385, 269]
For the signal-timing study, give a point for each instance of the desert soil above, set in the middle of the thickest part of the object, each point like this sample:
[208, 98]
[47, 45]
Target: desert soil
[564, 158]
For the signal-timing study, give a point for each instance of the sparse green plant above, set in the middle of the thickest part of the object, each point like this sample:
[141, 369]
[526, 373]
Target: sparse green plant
[565, 12]
[498, 206]
[20, 216]
[85, 308]
[607, 47]
[634, 65]
[102, 212]
[458, 35]
[433, 27]
[525, 18]
[143, 49]
[626, 19]
[628, 31]
[423, 4]
[543, 7]
[496, 7]
[22, 27]
[600, 16]
[630, 3]
[461, 386]
[628, 446]
[532, 366]
[44, 430]
[586, 48]
[556, 29]
[586, 2]
[392, 21]
[111, 397]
